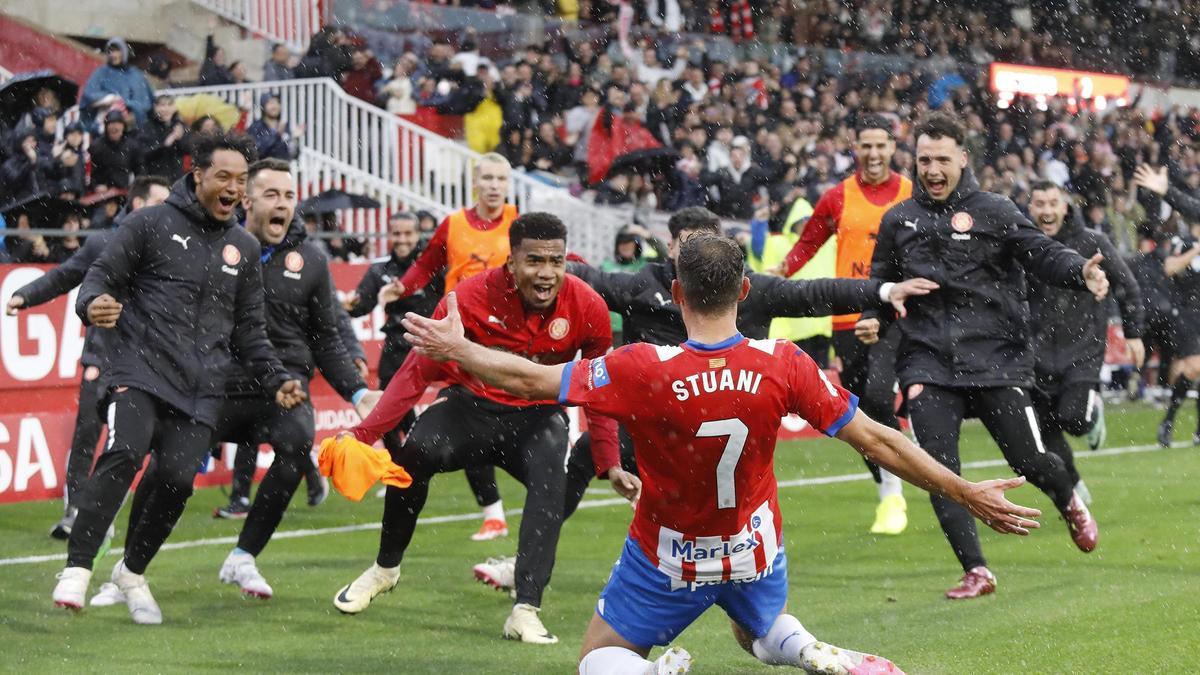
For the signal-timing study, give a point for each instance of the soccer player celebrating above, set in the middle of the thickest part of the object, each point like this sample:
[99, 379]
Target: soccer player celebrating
[964, 349]
[1070, 332]
[469, 241]
[181, 284]
[529, 307]
[144, 191]
[705, 416]
[852, 211]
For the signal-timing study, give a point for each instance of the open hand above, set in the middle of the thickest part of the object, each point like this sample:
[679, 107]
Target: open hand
[1154, 180]
[437, 339]
[986, 501]
[390, 293]
[909, 288]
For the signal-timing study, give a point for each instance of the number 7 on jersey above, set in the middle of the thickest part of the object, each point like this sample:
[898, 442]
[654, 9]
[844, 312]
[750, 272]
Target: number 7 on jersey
[736, 431]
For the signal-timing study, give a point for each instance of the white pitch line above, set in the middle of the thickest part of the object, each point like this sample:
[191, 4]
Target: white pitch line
[587, 504]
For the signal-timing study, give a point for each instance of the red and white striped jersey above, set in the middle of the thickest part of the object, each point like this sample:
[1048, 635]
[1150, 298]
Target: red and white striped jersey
[704, 420]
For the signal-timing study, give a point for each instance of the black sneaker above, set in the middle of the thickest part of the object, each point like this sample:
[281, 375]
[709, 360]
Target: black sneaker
[1165, 431]
[62, 529]
[237, 509]
[318, 490]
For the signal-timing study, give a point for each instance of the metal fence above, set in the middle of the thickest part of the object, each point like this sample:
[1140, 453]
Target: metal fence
[291, 22]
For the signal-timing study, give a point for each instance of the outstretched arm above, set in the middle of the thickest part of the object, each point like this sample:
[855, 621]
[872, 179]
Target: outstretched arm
[893, 451]
[443, 340]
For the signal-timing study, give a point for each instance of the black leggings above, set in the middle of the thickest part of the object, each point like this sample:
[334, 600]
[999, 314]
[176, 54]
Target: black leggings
[88, 423]
[1007, 412]
[869, 371]
[463, 430]
[1066, 409]
[138, 421]
[481, 478]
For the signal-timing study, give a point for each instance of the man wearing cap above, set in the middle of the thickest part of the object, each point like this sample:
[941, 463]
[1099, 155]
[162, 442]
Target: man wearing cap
[117, 77]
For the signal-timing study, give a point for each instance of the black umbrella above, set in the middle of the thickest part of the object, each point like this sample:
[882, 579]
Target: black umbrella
[646, 160]
[16, 95]
[43, 210]
[336, 200]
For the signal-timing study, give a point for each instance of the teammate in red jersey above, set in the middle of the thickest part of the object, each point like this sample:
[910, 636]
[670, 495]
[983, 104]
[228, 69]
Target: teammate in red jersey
[704, 417]
[529, 307]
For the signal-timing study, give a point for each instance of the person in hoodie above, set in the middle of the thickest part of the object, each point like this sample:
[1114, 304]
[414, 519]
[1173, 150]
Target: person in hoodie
[116, 155]
[25, 173]
[274, 136]
[117, 77]
[145, 191]
[1070, 332]
[181, 284]
[965, 348]
[162, 139]
[301, 320]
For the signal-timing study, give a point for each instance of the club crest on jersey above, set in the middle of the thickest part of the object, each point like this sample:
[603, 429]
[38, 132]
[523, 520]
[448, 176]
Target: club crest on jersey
[962, 221]
[294, 262]
[559, 327]
[231, 255]
[599, 374]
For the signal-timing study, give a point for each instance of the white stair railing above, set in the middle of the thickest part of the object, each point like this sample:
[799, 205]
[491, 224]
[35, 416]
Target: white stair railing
[291, 22]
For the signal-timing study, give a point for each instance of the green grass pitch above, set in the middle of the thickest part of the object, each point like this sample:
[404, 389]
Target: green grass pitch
[1131, 606]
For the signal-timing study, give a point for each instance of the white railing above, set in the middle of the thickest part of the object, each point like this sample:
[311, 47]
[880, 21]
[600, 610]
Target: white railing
[291, 22]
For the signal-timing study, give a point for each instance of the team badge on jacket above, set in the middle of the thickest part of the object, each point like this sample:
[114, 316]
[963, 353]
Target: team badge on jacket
[559, 327]
[231, 255]
[294, 262]
[962, 221]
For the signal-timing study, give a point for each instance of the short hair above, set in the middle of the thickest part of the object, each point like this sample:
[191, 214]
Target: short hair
[695, 218]
[710, 269]
[536, 225]
[875, 121]
[140, 187]
[940, 125]
[267, 164]
[204, 146]
[403, 215]
[1043, 184]
[164, 97]
[493, 158]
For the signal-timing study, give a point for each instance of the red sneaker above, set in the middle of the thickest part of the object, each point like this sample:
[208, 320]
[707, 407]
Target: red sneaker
[1081, 524]
[977, 582]
[492, 528]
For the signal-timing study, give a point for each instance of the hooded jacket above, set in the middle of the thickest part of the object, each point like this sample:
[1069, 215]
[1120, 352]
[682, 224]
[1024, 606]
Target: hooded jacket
[1070, 328]
[974, 330]
[124, 80]
[643, 300]
[193, 297]
[301, 321]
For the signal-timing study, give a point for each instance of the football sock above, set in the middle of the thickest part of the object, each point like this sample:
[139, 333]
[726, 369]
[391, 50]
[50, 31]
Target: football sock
[1178, 395]
[494, 511]
[613, 661]
[889, 484]
[238, 551]
[781, 646]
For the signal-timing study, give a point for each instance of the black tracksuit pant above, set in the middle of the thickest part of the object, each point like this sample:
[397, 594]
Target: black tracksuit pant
[1065, 408]
[937, 413]
[581, 469]
[481, 478]
[88, 424]
[869, 371]
[138, 422]
[464, 430]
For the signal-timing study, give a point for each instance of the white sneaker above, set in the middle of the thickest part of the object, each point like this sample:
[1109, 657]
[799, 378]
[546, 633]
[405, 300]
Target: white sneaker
[107, 596]
[499, 573]
[354, 597]
[674, 661]
[524, 625]
[239, 568]
[71, 590]
[138, 598]
[819, 658]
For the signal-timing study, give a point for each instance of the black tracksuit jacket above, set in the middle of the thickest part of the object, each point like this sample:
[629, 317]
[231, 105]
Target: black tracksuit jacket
[193, 298]
[973, 331]
[302, 319]
[1070, 328]
[643, 299]
[382, 272]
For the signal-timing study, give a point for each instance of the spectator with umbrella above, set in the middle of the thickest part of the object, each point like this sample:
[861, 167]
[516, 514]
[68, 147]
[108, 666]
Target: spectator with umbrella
[326, 206]
[24, 92]
[120, 78]
[40, 211]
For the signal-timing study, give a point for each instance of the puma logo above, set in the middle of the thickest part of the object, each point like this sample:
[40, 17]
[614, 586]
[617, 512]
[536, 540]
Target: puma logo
[662, 302]
[493, 319]
[183, 241]
[911, 223]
